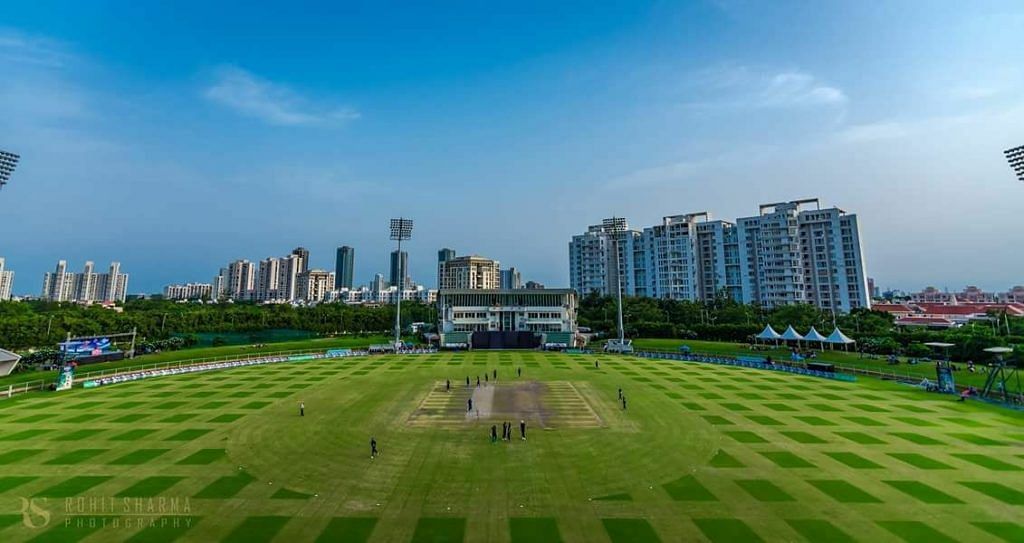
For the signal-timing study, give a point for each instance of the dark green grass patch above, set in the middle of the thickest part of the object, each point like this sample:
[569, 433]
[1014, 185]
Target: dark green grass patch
[348, 530]
[227, 417]
[188, 434]
[711, 395]
[75, 457]
[17, 455]
[916, 438]
[764, 490]
[630, 530]
[717, 420]
[987, 462]
[966, 423]
[819, 530]
[9, 520]
[853, 460]
[746, 437]
[179, 417]
[922, 492]
[286, 494]
[997, 491]
[722, 459]
[912, 408]
[824, 408]
[803, 437]
[128, 405]
[534, 530]
[780, 407]
[167, 406]
[727, 530]
[732, 406]
[256, 529]
[439, 530]
[226, 487]
[1007, 531]
[916, 422]
[203, 394]
[84, 417]
[78, 435]
[138, 457]
[74, 486]
[620, 497]
[843, 492]
[688, 489]
[814, 421]
[870, 408]
[258, 404]
[861, 438]
[149, 487]
[920, 461]
[160, 533]
[24, 434]
[279, 394]
[864, 421]
[764, 420]
[240, 394]
[786, 459]
[33, 418]
[203, 457]
[133, 435]
[692, 406]
[915, 532]
[11, 482]
[977, 440]
[216, 404]
[130, 417]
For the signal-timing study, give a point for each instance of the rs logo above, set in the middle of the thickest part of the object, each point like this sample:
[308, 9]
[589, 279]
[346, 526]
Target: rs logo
[30, 513]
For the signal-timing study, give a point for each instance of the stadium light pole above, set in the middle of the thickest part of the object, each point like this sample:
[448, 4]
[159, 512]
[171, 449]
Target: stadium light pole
[616, 225]
[401, 229]
[8, 162]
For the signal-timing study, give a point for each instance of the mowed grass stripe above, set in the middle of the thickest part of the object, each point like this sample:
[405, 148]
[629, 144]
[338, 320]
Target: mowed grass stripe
[348, 530]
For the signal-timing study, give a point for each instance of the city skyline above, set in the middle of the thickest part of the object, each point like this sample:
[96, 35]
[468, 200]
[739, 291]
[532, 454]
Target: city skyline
[504, 130]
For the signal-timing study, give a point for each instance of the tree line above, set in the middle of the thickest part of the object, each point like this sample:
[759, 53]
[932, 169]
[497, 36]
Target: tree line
[724, 319]
[39, 324]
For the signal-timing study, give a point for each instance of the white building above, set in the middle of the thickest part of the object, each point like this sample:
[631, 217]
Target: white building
[470, 272]
[550, 313]
[6, 281]
[240, 280]
[788, 253]
[188, 291]
[385, 295]
[88, 286]
[314, 285]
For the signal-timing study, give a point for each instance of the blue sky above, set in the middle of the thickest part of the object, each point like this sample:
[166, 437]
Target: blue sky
[179, 136]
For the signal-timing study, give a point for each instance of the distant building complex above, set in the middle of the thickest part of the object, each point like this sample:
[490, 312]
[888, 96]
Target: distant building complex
[188, 291]
[88, 286]
[491, 318]
[791, 252]
[469, 272]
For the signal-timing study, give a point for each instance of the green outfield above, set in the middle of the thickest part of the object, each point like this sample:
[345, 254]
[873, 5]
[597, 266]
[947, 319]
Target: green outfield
[703, 453]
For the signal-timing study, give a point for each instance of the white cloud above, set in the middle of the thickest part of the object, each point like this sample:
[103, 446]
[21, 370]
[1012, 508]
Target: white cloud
[270, 102]
[745, 87]
[17, 48]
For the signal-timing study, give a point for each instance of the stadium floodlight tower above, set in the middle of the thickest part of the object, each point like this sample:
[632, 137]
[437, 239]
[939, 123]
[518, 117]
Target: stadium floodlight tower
[1015, 157]
[616, 227]
[8, 161]
[401, 229]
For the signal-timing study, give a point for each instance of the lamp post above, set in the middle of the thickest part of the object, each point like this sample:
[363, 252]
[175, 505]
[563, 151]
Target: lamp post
[616, 226]
[401, 229]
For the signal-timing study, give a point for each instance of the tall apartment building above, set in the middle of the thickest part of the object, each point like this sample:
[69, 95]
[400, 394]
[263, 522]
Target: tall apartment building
[219, 287]
[789, 253]
[6, 281]
[8, 161]
[314, 285]
[344, 266]
[277, 278]
[470, 272]
[61, 285]
[240, 281]
[188, 291]
[302, 253]
[593, 260]
[443, 255]
[511, 278]
[399, 269]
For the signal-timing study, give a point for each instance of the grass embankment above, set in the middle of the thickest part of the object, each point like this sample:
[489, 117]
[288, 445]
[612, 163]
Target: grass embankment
[204, 352]
[924, 370]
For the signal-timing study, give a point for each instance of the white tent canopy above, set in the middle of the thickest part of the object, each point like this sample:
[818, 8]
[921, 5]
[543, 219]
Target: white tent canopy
[768, 333]
[791, 335]
[8, 361]
[838, 337]
[814, 335]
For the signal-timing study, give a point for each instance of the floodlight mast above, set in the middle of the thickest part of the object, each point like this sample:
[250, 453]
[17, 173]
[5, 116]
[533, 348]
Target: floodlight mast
[616, 225]
[401, 229]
